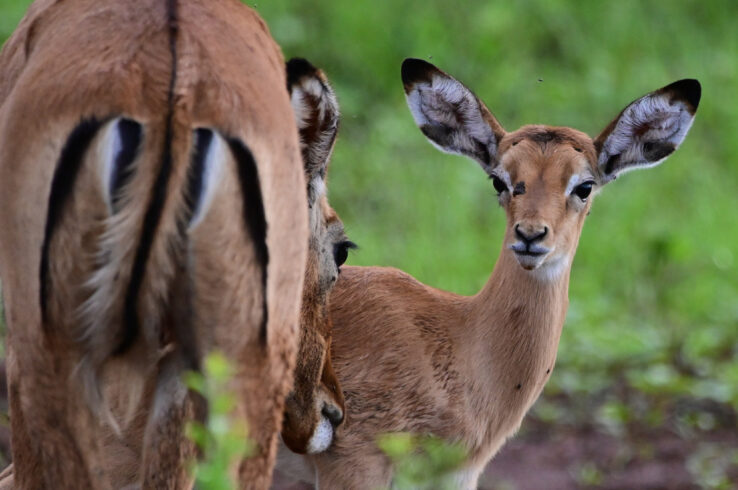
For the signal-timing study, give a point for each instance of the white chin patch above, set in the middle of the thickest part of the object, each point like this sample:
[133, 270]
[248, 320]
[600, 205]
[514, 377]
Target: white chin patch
[552, 269]
[322, 437]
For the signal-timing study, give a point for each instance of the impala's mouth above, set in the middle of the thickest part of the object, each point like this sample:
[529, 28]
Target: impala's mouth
[529, 256]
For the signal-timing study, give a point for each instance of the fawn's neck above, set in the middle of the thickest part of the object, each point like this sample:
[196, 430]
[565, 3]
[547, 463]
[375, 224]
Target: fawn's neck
[512, 335]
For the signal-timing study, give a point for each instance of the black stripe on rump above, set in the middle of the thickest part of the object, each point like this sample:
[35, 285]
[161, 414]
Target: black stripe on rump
[196, 174]
[181, 304]
[67, 169]
[253, 216]
[130, 138]
[148, 232]
[156, 203]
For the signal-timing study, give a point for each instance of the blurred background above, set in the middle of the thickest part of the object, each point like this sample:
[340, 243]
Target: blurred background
[645, 390]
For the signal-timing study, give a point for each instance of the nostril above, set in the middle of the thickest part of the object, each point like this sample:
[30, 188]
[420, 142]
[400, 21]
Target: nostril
[520, 234]
[333, 414]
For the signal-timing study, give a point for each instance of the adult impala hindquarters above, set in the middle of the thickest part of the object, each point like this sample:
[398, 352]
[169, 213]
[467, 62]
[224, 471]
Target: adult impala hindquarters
[414, 358]
[314, 395]
[153, 209]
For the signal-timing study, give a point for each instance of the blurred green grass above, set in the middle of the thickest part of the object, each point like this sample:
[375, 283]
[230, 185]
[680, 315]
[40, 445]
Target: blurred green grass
[655, 280]
[656, 274]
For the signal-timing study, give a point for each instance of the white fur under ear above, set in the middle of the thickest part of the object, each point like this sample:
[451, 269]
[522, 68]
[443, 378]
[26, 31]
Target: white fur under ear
[648, 130]
[449, 114]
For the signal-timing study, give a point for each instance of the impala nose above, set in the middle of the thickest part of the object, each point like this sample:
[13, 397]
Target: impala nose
[333, 414]
[529, 234]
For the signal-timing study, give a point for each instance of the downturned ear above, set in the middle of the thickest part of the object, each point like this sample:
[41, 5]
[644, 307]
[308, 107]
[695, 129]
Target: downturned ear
[648, 130]
[316, 113]
[449, 114]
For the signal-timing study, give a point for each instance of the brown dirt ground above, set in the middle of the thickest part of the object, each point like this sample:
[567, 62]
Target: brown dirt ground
[547, 457]
[550, 457]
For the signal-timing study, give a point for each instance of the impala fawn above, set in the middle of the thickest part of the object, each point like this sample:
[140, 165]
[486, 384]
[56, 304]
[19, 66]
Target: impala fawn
[412, 358]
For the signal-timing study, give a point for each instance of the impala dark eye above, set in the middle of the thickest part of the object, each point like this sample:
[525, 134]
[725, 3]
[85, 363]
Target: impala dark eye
[583, 190]
[498, 184]
[341, 250]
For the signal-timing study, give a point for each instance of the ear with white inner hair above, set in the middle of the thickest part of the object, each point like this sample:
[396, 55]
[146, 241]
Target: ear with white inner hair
[316, 113]
[648, 130]
[452, 118]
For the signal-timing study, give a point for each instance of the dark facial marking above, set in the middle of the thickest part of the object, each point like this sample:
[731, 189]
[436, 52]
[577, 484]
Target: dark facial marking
[519, 189]
[545, 137]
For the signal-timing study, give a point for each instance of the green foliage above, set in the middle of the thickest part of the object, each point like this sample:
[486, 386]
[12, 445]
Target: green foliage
[710, 466]
[421, 462]
[223, 439]
[588, 475]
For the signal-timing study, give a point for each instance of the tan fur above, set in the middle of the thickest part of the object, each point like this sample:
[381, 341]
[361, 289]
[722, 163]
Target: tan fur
[77, 59]
[412, 358]
[316, 388]
[315, 383]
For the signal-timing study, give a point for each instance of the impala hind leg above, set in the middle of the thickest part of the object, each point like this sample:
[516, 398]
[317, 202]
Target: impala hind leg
[167, 451]
[49, 449]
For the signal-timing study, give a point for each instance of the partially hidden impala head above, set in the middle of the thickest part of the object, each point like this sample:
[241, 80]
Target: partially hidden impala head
[546, 176]
[315, 407]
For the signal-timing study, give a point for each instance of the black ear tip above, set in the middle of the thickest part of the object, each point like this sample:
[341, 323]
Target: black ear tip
[688, 90]
[298, 68]
[415, 70]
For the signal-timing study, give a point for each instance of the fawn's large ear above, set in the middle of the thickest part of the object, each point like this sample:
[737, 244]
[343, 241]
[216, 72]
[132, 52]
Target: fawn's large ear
[316, 112]
[648, 130]
[449, 114]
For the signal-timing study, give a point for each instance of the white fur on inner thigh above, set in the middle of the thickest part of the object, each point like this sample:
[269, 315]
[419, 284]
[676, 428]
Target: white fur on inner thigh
[212, 172]
[109, 150]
